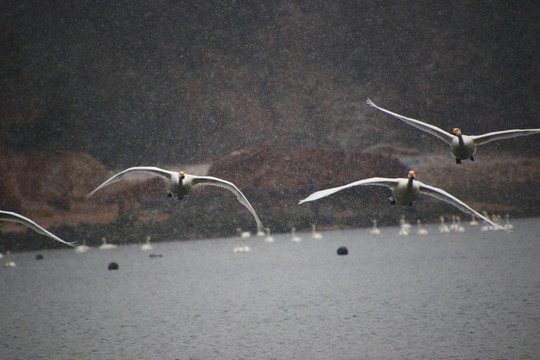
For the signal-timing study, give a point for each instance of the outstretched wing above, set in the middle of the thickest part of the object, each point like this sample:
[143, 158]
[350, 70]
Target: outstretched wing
[432, 129]
[210, 180]
[391, 183]
[451, 199]
[144, 169]
[505, 134]
[14, 217]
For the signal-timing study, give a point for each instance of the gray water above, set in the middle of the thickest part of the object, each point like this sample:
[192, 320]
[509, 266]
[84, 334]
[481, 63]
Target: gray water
[471, 295]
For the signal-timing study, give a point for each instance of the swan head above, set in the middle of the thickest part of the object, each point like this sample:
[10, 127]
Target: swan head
[181, 175]
[456, 132]
[411, 174]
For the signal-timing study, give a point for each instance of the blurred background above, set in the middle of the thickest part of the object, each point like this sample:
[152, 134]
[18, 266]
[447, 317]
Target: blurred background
[271, 97]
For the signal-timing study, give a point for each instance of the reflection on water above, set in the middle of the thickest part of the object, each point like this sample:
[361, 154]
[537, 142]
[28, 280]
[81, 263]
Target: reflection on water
[465, 295]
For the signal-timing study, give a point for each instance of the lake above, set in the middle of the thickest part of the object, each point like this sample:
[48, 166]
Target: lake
[468, 295]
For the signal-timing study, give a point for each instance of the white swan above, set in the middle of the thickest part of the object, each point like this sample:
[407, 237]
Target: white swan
[268, 238]
[405, 227]
[462, 146]
[443, 228]
[294, 237]
[375, 230]
[473, 221]
[458, 227]
[240, 245]
[82, 248]
[421, 230]
[147, 246]
[180, 185]
[106, 246]
[404, 191]
[314, 233]
[14, 217]
[508, 224]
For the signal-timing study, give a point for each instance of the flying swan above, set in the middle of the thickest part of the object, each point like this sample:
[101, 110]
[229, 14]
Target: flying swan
[180, 185]
[462, 146]
[404, 192]
[14, 217]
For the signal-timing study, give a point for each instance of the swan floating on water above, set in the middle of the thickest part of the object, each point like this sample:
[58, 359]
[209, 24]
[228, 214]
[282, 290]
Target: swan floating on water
[443, 228]
[180, 185]
[462, 146]
[106, 246]
[405, 227]
[240, 245]
[508, 225]
[405, 192]
[294, 237]
[420, 229]
[82, 248]
[458, 227]
[314, 233]
[375, 230]
[147, 246]
[14, 217]
[268, 238]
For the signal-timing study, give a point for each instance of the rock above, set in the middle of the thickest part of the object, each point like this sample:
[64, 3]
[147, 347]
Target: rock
[342, 250]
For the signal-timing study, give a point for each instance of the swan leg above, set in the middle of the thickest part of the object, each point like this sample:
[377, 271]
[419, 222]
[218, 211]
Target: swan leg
[458, 161]
[392, 200]
[472, 158]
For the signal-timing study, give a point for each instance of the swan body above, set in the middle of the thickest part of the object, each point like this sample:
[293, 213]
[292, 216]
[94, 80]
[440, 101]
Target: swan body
[147, 246]
[268, 238]
[375, 230]
[106, 246]
[14, 217]
[180, 184]
[421, 230]
[508, 224]
[404, 191]
[314, 233]
[405, 227]
[240, 242]
[294, 237]
[462, 146]
[443, 228]
[82, 248]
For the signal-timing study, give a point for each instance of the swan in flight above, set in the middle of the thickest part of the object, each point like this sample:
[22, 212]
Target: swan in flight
[404, 191]
[14, 217]
[180, 185]
[462, 146]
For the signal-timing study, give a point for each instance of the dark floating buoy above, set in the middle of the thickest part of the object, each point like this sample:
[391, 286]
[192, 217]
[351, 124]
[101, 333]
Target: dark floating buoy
[342, 250]
[113, 266]
[39, 257]
[155, 255]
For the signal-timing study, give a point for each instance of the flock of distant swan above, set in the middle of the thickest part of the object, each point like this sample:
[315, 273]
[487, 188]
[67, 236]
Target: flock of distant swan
[404, 190]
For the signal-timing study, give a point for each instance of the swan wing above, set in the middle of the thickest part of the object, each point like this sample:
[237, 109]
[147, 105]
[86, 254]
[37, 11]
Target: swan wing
[14, 217]
[391, 183]
[432, 129]
[144, 169]
[451, 199]
[213, 181]
[505, 134]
